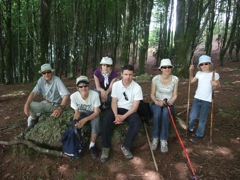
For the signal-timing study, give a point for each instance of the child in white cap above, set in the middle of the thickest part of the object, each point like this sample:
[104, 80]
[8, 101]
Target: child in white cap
[208, 80]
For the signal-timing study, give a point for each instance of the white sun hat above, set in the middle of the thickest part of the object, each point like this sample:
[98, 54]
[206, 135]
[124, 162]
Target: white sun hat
[165, 62]
[204, 59]
[106, 60]
[46, 67]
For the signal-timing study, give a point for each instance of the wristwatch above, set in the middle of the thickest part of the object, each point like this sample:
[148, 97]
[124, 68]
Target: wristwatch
[62, 107]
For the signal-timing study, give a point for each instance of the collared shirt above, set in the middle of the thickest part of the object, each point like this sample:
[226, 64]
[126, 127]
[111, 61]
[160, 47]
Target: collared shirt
[52, 91]
[133, 92]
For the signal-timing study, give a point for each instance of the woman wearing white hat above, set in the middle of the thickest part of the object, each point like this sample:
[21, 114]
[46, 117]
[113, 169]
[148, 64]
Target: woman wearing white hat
[104, 77]
[164, 86]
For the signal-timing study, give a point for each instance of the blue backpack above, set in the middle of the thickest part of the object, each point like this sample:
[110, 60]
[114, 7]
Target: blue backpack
[74, 140]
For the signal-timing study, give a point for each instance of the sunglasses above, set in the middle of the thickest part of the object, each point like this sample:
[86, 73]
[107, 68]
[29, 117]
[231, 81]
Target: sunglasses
[106, 65]
[83, 86]
[204, 64]
[166, 67]
[47, 72]
[125, 96]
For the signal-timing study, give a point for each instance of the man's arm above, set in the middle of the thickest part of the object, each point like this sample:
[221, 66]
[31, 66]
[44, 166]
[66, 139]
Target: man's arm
[88, 118]
[28, 102]
[57, 112]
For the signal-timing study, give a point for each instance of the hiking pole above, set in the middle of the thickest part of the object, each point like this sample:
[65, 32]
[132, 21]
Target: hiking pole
[180, 140]
[188, 102]
[211, 124]
[154, 160]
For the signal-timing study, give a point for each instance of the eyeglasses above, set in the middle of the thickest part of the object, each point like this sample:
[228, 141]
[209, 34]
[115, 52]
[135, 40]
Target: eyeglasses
[125, 96]
[204, 64]
[47, 72]
[83, 86]
[166, 67]
[106, 65]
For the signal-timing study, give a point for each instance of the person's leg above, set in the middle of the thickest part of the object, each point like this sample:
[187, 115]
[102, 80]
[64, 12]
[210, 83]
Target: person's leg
[193, 114]
[157, 111]
[165, 122]
[134, 123]
[107, 126]
[205, 107]
[95, 129]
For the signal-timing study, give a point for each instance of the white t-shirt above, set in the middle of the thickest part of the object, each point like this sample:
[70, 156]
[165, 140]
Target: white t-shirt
[164, 91]
[204, 88]
[133, 92]
[88, 105]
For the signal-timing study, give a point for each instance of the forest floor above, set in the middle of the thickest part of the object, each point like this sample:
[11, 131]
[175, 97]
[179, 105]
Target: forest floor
[217, 160]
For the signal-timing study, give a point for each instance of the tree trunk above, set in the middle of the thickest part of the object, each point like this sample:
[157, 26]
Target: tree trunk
[9, 63]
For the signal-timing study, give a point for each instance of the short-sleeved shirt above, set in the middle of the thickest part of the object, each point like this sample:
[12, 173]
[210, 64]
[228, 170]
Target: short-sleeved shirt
[133, 93]
[100, 77]
[164, 91]
[52, 91]
[88, 105]
[204, 89]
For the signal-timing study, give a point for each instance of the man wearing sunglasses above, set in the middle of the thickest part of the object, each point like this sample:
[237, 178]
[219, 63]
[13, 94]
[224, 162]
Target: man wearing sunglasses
[126, 95]
[55, 96]
[86, 103]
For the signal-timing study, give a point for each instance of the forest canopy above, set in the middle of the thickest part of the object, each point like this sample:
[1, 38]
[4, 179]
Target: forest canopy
[74, 35]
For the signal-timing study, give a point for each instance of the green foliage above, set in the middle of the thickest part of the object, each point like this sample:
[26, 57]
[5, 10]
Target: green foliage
[82, 175]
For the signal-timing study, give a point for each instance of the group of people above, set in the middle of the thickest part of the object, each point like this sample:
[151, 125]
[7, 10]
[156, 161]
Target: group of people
[121, 99]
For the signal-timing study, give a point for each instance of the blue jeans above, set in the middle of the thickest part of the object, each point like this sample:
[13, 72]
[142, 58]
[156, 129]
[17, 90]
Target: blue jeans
[202, 108]
[161, 121]
[134, 123]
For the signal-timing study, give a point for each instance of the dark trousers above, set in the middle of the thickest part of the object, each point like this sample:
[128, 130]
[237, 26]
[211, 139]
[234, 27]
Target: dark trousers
[134, 123]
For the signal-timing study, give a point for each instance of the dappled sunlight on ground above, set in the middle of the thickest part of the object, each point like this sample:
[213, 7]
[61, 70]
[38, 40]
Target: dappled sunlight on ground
[14, 94]
[182, 170]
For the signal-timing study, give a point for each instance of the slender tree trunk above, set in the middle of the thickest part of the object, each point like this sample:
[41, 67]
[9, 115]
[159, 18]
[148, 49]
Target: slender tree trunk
[9, 63]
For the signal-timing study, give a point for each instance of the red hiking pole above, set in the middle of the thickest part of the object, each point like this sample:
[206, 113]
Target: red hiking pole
[180, 140]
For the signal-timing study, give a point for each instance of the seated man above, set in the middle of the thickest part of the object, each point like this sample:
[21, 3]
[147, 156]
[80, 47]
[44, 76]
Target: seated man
[86, 105]
[126, 95]
[53, 91]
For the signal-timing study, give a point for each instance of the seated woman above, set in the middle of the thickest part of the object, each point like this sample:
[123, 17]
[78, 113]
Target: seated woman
[163, 92]
[104, 77]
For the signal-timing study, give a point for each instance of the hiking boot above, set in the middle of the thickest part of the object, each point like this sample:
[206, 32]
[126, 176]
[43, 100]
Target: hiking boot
[94, 152]
[195, 139]
[105, 154]
[164, 146]
[128, 155]
[31, 123]
[154, 143]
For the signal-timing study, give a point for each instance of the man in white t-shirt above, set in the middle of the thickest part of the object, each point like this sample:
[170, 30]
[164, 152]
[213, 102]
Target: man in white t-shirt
[86, 105]
[126, 95]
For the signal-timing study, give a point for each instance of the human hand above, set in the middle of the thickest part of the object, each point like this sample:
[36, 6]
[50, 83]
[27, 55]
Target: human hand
[57, 112]
[214, 84]
[80, 123]
[191, 67]
[118, 119]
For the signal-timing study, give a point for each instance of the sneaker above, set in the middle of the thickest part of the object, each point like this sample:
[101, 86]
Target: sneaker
[105, 153]
[154, 143]
[195, 139]
[94, 152]
[164, 146]
[31, 123]
[128, 155]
